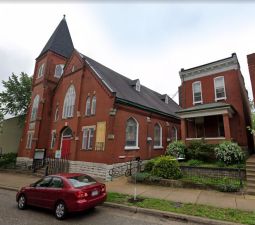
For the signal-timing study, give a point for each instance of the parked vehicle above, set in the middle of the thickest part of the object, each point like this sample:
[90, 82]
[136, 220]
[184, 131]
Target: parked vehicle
[63, 193]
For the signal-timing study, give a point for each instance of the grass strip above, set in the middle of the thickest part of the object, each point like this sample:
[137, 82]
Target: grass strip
[231, 215]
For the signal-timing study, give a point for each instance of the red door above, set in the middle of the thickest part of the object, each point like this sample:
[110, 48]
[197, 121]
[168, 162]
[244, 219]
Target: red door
[66, 144]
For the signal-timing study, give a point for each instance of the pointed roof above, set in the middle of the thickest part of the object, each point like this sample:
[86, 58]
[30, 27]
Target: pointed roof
[60, 41]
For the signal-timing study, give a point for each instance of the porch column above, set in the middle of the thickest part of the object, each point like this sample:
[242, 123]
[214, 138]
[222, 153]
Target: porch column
[183, 130]
[226, 127]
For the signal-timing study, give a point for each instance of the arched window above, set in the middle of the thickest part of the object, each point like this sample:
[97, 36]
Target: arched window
[88, 107]
[157, 135]
[93, 105]
[56, 114]
[174, 134]
[35, 108]
[131, 133]
[69, 102]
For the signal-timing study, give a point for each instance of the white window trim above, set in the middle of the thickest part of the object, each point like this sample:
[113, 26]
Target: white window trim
[93, 105]
[68, 107]
[29, 144]
[160, 138]
[135, 147]
[40, 70]
[215, 95]
[88, 139]
[35, 107]
[56, 116]
[62, 67]
[197, 82]
[88, 102]
[51, 143]
[176, 133]
[138, 86]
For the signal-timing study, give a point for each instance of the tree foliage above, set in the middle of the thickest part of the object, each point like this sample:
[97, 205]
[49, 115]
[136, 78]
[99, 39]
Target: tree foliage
[15, 99]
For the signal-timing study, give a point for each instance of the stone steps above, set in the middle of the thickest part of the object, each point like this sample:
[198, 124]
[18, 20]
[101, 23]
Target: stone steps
[250, 175]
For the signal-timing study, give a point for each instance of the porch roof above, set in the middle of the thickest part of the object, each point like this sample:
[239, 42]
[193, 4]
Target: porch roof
[216, 108]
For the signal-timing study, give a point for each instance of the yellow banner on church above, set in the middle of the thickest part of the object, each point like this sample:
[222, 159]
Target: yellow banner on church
[100, 136]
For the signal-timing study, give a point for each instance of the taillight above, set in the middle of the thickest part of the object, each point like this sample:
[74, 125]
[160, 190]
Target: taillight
[81, 194]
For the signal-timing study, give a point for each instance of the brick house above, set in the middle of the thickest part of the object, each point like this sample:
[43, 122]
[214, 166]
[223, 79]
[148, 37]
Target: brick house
[82, 111]
[215, 103]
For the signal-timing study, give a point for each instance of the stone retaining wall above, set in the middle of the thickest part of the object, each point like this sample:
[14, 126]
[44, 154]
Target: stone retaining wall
[213, 172]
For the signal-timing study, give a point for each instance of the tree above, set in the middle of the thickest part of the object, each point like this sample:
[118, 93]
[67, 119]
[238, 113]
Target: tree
[15, 99]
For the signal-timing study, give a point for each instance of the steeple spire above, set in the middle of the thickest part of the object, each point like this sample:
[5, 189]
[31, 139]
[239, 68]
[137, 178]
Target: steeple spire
[60, 41]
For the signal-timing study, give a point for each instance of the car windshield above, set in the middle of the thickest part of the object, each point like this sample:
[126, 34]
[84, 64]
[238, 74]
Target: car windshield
[81, 181]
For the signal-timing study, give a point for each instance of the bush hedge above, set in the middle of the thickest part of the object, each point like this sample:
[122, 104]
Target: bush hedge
[166, 167]
[229, 153]
[176, 149]
[7, 159]
[199, 150]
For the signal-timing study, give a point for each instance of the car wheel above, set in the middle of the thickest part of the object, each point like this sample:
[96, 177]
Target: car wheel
[22, 202]
[60, 210]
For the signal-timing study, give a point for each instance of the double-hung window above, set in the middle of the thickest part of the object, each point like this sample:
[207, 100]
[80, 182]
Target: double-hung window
[88, 137]
[219, 88]
[197, 93]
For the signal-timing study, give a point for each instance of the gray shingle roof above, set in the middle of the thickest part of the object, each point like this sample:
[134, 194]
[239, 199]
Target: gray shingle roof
[124, 89]
[60, 41]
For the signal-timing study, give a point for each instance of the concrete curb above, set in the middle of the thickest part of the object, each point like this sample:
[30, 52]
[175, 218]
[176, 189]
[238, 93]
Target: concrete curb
[168, 215]
[9, 188]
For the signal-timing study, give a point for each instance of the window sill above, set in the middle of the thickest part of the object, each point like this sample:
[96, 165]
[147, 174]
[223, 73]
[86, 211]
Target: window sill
[197, 103]
[86, 150]
[219, 99]
[131, 148]
[158, 147]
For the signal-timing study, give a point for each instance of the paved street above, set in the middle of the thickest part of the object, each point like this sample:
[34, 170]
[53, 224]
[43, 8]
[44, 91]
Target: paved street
[10, 215]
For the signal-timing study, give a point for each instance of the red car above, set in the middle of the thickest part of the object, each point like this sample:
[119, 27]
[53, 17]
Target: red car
[63, 193]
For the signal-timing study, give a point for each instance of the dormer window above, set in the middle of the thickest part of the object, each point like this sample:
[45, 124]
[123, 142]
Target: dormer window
[137, 86]
[40, 71]
[166, 99]
[59, 69]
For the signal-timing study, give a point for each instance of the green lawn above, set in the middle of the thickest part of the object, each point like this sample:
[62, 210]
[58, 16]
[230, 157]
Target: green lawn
[232, 215]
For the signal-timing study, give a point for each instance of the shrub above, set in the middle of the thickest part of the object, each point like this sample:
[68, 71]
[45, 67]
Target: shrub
[194, 162]
[149, 165]
[176, 149]
[167, 167]
[7, 159]
[229, 153]
[202, 151]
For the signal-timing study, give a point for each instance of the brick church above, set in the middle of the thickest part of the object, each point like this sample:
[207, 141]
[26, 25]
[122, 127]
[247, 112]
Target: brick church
[92, 116]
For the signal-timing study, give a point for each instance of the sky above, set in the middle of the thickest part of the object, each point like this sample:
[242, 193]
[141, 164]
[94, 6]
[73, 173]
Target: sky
[146, 40]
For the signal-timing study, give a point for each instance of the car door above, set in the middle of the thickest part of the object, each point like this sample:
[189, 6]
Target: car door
[54, 192]
[38, 192]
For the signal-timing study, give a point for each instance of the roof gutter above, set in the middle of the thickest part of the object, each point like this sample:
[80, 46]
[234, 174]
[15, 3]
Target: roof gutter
[129, 103]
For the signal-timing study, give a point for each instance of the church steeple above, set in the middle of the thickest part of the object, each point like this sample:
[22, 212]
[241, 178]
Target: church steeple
[60, 41]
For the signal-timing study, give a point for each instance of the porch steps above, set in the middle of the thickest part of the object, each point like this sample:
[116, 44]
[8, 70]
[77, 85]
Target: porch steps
[250, 175]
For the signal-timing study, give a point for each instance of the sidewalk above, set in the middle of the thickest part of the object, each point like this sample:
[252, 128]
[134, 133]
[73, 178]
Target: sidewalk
[14, 181]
